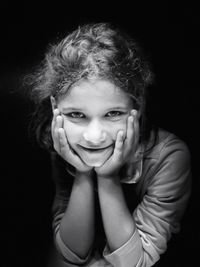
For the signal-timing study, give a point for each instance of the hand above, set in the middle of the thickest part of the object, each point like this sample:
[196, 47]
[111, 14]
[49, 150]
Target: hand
[61, 144]
[124, 148]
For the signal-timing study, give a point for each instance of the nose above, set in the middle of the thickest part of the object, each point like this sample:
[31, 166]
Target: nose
[94, 135]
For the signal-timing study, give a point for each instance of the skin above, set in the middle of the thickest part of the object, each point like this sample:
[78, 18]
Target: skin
[92, 116]
[95, 114]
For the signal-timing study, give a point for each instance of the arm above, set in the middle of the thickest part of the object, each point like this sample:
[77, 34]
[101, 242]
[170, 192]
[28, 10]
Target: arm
[118, 223]
[77, 224]
[73, 213]
[167, 189]
[159, 214]
[120, 228]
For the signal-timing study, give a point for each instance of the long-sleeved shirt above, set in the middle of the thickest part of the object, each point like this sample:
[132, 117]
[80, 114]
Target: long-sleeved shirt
[156, 194]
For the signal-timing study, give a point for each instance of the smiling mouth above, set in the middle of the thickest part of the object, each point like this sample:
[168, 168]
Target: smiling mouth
[94, 149]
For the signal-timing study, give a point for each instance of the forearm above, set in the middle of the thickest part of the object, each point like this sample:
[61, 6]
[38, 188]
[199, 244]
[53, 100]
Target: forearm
[77, 225]
[118, 222]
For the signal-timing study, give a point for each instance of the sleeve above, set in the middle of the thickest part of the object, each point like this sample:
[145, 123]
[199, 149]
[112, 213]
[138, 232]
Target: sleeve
[63, 185]
[158, 215]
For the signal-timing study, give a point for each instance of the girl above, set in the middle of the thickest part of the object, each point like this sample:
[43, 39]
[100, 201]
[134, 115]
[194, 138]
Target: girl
[122, 185]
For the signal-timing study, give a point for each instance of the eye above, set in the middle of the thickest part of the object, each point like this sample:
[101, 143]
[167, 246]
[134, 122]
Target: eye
[114, 113]
[75, 115]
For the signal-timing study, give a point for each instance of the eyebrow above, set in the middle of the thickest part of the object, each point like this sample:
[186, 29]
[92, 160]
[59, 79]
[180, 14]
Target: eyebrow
[77, 108]
[70, 108]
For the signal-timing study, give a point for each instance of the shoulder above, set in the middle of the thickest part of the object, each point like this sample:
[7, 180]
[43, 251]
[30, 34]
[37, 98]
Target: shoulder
[167, 165]
[164, 189]
[166, 144]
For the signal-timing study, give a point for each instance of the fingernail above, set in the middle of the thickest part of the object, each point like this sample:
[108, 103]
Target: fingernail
[121, 133]
[131, 118]
[55, 111]
[133, 112]
[58, 118]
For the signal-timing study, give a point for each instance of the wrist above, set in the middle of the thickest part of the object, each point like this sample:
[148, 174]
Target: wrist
[88, 173]
[111, 174]
[108, 180]
[84, 175]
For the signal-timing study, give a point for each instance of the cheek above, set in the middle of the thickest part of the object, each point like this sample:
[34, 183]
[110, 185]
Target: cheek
[72, 132]
[116, 127]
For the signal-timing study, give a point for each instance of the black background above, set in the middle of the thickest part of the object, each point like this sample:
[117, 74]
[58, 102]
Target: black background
[169, 34]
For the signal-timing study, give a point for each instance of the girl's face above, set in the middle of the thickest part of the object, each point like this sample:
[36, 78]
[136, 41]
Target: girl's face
[93, 112]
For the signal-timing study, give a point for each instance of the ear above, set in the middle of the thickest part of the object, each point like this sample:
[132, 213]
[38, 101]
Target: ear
[53, 103]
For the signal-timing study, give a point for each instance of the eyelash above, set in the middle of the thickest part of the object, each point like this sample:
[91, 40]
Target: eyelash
[116, 112]
[75, 115]
[79, 115]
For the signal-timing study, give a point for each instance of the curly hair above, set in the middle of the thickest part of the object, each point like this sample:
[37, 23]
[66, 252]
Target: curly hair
[92, 51]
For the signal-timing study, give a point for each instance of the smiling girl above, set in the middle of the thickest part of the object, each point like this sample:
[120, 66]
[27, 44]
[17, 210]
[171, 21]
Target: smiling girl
[122, 185]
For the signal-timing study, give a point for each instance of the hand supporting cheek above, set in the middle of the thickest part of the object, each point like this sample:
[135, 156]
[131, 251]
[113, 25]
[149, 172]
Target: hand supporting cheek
[62, 147]
[124, 148]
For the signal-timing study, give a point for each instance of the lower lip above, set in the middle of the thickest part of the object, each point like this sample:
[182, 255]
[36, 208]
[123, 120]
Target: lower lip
[95, 151]
[95, 157]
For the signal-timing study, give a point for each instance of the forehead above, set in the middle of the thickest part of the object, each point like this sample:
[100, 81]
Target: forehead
[100, 92]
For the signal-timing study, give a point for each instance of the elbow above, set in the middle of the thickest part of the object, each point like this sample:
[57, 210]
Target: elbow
[122, 237]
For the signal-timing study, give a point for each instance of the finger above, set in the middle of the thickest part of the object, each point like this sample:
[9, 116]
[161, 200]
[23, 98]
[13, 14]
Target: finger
[136, 133]
[135, 141]
[65, 150]
[59, 122]
[134, 112]
[130, 130]
[62, 138]
[132, 137]
[58, 125]
[63, 144]
[119, 143]
[55, 114]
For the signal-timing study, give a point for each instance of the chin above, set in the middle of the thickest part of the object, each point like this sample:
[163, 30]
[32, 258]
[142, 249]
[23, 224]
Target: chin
[94, 163]
[94, 160]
